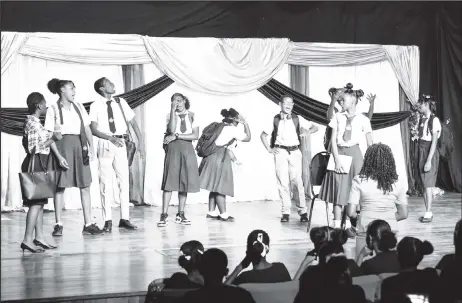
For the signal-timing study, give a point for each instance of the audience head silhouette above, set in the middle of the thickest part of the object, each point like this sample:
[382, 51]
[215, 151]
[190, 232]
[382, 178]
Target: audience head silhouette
[191, 255]
[257, 246]
[411, 252]
[379, 165]
[333, 247]
[320, 236]
[380, 237]
[458, 238]
[214, 266]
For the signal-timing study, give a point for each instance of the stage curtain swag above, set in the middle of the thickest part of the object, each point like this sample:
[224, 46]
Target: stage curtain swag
[12, 119]
[11, 44]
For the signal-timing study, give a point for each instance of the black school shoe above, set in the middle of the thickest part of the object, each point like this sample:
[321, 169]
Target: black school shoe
[285, 218]
[304, 218]
[92, 230]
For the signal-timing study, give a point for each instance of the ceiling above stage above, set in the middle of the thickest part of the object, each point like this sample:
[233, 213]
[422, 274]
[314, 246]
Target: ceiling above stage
[348, 22]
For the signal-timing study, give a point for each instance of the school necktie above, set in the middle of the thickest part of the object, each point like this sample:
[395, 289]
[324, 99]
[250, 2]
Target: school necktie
[421, 126]
[347, 133]
[183, 123]
[110, 116]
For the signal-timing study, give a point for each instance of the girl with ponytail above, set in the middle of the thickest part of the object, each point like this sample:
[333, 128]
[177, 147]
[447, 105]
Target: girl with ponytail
[263, 272]
[381, 244]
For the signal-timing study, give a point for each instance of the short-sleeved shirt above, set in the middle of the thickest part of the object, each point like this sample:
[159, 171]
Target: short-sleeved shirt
[229, 133]
[99, 114]
[36, 136]
[276, 273]
[360, 125]
[287, 133]
[189, 116]
[71, 120]
[427, 136]
[374, 203]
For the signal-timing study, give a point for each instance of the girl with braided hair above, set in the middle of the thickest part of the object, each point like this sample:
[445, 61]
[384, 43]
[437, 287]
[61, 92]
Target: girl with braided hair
[378, 191]
[348, 128]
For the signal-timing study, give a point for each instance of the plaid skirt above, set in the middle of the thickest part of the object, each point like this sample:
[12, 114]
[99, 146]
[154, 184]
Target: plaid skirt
[216, 173]
[428, 179]
[77, 175]
[335, 187]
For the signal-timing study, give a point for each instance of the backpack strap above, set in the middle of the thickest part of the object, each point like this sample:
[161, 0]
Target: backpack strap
[430, 124]
[274, 134]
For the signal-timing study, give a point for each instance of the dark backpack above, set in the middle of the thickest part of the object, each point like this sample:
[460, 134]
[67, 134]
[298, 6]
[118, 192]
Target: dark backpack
[276, 121]
[206, 143]
[445, 144]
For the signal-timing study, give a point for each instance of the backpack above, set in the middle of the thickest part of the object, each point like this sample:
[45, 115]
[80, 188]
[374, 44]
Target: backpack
[276, 121]
[206, 143]
[445, 144]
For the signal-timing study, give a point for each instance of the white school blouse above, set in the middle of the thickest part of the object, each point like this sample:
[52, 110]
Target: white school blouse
[427, 136]
[189, 125]
[360, 125]
[230, 132]
[71, 119]
[98, 114]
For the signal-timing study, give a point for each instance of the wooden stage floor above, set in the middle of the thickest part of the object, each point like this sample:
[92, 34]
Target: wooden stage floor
[126, 261]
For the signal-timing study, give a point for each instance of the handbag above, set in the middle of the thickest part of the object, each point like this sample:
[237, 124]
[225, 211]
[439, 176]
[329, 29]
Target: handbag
[129, 144]
[38, 185]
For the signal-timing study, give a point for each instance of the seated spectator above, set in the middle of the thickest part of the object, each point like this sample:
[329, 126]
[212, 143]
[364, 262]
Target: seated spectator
[190, 259]
[449, 259]
[329, 282]
[263, 272]
[411, 281]
[381, 243]
[214, 267]
[451, 274]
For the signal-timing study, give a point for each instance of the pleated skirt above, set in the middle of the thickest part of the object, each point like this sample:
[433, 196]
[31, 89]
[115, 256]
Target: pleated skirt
[216, 173]
[181, 173]
[428, 178]
[50, 163]
[335, 187]
[78, 175]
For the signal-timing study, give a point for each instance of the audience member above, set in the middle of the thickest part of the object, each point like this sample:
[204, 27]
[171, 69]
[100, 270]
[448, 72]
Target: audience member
[214, 267]
[411, 281]
[381, 243]
[263, 272]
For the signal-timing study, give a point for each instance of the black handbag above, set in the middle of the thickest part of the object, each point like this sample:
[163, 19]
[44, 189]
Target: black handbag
[38, 185]
[129, 144]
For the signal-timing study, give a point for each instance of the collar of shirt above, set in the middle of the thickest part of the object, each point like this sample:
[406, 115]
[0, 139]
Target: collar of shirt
[103, 99]
[184, 113]
[31, 117]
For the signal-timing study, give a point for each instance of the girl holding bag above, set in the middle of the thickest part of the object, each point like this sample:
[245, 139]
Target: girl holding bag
[37, 143]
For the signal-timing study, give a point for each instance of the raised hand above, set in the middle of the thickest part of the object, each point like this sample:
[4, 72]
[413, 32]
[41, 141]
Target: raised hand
[371, 98]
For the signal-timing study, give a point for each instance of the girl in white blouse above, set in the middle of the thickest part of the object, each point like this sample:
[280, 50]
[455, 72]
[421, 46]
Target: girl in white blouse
[348, 127]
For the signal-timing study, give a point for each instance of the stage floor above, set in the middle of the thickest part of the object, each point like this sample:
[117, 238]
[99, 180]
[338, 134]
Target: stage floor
[127, 261]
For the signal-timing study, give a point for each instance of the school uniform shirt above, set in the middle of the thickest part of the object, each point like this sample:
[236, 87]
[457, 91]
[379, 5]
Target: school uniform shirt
[374, 203]
[360, 125]
[99, 114]
[187, 119]
[36, 135]
[287, 133]
[427, 136]
[71, 119]
[229, 133]
[276, 273]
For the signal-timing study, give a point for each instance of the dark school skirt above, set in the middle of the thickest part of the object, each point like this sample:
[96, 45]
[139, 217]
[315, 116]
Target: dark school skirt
[428, 178]
[181, 173]
[335, 187]
[78, 175]
[49, 162]
[216, 173]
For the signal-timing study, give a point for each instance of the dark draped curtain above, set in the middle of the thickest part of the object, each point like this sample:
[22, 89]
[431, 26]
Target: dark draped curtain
[12, 119]
[133, 76]
[315, 111]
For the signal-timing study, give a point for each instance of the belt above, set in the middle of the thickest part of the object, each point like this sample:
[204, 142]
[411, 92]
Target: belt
[287, 148]
[121, 136]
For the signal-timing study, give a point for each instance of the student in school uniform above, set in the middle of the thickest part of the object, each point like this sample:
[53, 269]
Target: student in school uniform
[70, 122]
[285, 146]
[348, 126]
[109, 123]
[181, 173]
[428, 155]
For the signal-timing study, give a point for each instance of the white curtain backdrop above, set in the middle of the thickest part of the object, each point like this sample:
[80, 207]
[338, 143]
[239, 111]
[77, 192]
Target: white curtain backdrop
[377, 78]
[219, 66]
[255, 179]
[10, 46]
[26, 75]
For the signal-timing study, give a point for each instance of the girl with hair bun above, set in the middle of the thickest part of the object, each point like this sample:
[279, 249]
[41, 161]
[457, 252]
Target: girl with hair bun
[180, 165]
[69, 121]
[427, 153]
[411, 280]
[215, 170]
[348, 127]
[37, 143]
[258, 246]
[381, 243]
